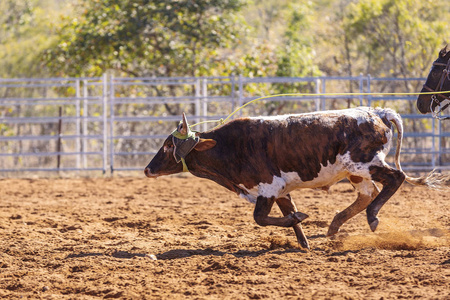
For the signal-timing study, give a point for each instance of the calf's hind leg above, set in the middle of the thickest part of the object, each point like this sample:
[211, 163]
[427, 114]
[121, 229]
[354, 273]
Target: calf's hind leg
[391, 179]
[367, 191]
[287, 207]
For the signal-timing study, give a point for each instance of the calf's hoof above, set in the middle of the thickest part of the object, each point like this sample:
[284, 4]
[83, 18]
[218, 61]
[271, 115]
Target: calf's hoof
[332, 231]
[299, 216]
[304, 244]
[374, 224]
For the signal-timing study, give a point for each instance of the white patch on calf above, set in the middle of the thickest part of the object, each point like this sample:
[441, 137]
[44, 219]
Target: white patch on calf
[248, 197]
[269, 190]
[327, 176]
[275, 118]
[360, 114]
[357, 169]
[287, 182]
[365, 187]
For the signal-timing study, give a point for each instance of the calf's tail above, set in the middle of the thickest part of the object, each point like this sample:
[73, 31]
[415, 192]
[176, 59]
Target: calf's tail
[432, 180]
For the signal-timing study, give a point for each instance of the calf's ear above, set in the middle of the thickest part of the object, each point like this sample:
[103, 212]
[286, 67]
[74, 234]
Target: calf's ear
[205, 144]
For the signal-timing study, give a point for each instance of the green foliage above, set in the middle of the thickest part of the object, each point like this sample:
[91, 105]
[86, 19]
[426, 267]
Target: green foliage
[395, 36]
[257, 61]
[210, 37]
[267, 18]
[145, 38]
[296, 56]
[25, 32]
[14, 14]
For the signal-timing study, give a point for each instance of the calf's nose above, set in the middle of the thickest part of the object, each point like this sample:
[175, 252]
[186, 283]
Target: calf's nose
[147, 172]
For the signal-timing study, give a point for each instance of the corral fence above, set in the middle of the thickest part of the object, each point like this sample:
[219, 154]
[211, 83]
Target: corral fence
[109, 124]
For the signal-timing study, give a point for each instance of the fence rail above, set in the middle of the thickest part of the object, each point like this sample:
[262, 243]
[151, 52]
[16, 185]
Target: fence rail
[113, 124]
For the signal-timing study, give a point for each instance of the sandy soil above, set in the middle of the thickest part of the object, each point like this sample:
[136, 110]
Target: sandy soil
[187, 238]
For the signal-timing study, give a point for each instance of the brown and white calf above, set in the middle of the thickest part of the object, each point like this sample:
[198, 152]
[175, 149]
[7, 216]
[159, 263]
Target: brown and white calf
[263, 159]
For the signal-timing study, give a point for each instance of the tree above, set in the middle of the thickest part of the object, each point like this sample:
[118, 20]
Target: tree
[296, 55]
[267, 18]
[393, 36]
[145, 38]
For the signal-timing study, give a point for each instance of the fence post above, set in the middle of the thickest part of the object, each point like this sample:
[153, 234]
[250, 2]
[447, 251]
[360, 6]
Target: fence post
[233, 92]
[241, 93]
[318, 99]
[361, 88]
[105, 120]
[369, 98]
[111, 123]
[324, 91]
[85, 125]
[197, 99]
[205, 103]
[440, 137]
[433, 144]
[78, 123]
[58, 147]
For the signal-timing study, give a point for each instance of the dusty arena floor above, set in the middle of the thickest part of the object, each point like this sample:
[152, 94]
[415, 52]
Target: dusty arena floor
[188, 238]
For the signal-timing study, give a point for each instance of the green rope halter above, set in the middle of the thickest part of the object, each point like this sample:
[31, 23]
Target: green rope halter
[190, 135]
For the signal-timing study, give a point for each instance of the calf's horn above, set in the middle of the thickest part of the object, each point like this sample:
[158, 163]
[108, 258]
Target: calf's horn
[184, 127]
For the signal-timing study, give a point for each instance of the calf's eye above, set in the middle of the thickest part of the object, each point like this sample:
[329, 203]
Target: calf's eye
[168, 147]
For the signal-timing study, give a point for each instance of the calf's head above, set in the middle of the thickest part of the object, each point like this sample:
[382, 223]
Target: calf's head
[170, 159]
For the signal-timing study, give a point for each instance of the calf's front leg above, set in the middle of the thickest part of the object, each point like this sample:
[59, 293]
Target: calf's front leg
[287, 207]
[262, 210]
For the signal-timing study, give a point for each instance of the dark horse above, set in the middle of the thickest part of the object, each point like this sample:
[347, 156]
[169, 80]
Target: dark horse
[438, 80]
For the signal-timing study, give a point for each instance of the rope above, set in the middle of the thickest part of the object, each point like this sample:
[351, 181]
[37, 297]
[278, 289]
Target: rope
[222, 121]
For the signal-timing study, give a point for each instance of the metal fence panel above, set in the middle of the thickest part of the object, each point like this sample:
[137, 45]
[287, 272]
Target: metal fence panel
[118, 124]
[52, 124]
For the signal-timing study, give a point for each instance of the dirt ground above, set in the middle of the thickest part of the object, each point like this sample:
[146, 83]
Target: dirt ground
[188, 238]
